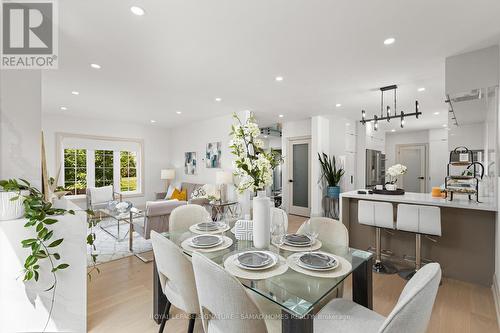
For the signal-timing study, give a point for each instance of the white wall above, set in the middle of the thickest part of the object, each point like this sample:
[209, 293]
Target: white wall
[194, 138]
[156, 146]
[438, 156]
[20, 123]
[320, 143]
[291, 129]
[470, 136]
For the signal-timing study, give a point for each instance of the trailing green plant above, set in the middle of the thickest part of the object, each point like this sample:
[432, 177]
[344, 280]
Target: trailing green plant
[92, 222]
[43, 247]
[329, 171]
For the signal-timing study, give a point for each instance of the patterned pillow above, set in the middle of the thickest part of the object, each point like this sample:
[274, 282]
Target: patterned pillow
[243, 229]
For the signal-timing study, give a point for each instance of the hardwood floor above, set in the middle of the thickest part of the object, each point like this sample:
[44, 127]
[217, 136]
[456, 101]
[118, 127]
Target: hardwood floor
[119, 300]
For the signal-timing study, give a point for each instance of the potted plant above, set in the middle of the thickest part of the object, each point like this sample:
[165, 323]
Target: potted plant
[254, 169]
[330, 174]
[393, 172]
[11, 200]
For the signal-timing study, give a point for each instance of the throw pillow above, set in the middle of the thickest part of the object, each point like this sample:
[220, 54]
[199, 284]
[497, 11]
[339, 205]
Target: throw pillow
[171, 188]
[179, 195]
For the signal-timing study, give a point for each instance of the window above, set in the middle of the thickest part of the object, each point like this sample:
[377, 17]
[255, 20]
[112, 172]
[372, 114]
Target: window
[128, 171]
[103, 163]
[75, 171]
[96, 161]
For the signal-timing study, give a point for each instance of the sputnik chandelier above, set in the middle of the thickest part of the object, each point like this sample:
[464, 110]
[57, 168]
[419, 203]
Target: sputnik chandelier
[388, 116]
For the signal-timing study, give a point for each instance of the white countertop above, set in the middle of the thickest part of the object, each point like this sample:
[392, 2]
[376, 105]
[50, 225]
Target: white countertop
[459, 201]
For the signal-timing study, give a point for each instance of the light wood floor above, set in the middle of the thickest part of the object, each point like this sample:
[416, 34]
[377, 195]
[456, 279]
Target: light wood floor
[120, 300]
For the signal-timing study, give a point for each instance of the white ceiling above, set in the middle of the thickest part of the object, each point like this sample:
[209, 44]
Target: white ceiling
[182, 54]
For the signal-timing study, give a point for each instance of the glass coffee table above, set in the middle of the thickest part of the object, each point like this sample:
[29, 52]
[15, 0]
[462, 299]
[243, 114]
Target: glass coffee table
[127, 218]
[299, 296]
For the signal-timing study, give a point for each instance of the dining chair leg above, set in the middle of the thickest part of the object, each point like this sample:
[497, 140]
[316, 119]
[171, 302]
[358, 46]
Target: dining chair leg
[165, 316]
[192, 318]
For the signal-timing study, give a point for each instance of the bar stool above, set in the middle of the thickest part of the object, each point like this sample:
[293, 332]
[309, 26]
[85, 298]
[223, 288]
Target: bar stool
[421, 220]
[379, 215]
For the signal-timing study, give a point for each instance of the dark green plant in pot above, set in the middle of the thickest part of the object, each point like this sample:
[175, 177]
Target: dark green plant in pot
[330, 174]
[41, 216]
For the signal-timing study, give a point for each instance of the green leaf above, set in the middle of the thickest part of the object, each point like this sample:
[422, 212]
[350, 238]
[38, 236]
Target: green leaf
[61, 266]
[50, 221]
[57, 256]
[56, 242]
[36, 275]
[28, 242]
[28, 276]
[30, 261]
[48, 235]
[39, 227]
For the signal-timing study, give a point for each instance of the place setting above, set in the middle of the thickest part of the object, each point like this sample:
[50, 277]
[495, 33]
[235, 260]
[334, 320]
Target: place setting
[210, 227]
[206, 243]
[319, 264]
[297, 243]
[255, 264]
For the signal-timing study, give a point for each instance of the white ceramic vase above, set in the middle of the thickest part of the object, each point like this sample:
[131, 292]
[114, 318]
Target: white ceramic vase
[11, 209]
[261, 220]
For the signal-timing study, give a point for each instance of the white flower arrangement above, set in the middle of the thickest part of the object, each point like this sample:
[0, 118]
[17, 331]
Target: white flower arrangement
[253, 166]
[394, 171]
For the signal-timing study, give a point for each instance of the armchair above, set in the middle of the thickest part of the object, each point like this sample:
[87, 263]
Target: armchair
[98, 198]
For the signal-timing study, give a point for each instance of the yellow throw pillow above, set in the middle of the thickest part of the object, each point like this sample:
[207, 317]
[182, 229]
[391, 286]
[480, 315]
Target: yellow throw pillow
[179, 195]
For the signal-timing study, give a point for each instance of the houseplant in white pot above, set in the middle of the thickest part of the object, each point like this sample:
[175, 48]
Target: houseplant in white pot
[12, 201]
[394, 172]
[254, 170]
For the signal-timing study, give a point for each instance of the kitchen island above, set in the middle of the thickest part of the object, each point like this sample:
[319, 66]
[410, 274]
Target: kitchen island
[466, 249]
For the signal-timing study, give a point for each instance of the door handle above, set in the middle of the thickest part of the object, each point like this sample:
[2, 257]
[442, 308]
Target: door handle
[422, 178]
[290, 180]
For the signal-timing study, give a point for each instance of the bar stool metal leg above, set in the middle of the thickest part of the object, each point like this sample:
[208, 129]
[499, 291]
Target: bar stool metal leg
[379, 266]
[407, 274]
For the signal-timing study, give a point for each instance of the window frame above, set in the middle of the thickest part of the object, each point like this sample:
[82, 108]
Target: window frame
[60, 146]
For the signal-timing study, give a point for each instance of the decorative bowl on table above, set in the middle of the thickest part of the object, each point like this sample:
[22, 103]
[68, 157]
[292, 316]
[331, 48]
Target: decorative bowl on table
[119, 207]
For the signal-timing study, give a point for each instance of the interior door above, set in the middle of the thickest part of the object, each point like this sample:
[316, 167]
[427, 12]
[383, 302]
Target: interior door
[414, 157]
[299, 176]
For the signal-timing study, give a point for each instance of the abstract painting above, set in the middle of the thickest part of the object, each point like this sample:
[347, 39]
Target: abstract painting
[213, 154]
[190, 163]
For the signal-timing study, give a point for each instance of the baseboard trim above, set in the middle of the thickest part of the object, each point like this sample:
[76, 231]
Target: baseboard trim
[496, 297]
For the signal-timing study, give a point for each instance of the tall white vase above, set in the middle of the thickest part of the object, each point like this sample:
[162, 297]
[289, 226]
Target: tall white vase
[261, 220]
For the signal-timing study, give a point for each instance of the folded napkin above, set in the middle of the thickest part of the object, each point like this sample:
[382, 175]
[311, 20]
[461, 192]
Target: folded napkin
[243, 229]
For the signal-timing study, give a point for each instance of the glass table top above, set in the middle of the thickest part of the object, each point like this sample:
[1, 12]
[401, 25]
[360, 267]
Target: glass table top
[294, 292]
[122, 216]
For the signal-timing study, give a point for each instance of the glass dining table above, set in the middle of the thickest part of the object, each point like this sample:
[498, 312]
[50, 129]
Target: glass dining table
[299, 296]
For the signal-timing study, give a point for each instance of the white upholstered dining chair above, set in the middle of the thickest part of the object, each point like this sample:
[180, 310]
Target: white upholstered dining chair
[410, 315]
[176, 277]
[225, 305]
[185, 216]
[330, 231]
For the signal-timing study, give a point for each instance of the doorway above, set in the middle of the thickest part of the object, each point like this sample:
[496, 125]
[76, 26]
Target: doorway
[299, 175]
[415, 158]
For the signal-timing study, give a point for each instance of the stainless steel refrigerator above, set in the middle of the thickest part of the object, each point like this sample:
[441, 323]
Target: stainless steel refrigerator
[375, 168]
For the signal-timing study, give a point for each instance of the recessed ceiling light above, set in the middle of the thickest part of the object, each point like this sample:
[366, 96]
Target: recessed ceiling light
[75, 93]
[279, 78]
[436, 113]
[338, 105]
[445, 125]
[281, 116]
[393, 130]
[95, 66]
[152, 121]
[421, 89]
[178, 112]
[137, 10]
[218, 99]
[389, 41]
[64, 108]
[265, 136]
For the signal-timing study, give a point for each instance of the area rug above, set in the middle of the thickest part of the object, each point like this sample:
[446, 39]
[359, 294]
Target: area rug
[108, 248]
